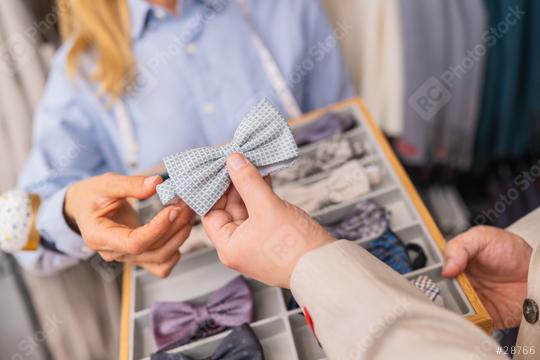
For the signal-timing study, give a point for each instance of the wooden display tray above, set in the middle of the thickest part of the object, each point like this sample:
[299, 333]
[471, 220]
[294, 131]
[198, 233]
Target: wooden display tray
[477, 314]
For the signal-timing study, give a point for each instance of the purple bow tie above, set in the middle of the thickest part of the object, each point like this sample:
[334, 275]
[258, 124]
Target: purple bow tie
[177, 323]
[324, 127]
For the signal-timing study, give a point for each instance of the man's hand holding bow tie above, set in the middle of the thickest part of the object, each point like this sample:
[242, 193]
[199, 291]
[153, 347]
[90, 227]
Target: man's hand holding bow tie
[257, 233]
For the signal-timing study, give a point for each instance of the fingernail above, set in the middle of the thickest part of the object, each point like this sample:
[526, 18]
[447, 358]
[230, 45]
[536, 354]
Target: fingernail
[173, 214]
[150, 181]
[237, 161]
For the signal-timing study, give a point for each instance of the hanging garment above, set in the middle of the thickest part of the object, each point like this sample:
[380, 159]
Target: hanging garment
[442, 86]
[372, 46]
[509, 124]
[23, 78]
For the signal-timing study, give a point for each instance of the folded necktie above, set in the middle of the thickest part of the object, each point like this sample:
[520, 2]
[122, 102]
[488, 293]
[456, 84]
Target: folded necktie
[329, 154]
[367, 220]
[345, 183]
[324, 127]
[199, 176]
[240, 344]
[393, 252]
[177, 323]
[429, 288]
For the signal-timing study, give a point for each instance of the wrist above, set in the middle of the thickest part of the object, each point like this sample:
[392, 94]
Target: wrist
[327, 240]
[69, 211]
[316, 242]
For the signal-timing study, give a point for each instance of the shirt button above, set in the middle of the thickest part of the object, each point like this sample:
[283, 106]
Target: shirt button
[191, 48]
[209, 108]
[160, 13]
[530, 311]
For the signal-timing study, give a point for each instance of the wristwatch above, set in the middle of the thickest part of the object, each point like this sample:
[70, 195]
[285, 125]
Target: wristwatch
[18, 212]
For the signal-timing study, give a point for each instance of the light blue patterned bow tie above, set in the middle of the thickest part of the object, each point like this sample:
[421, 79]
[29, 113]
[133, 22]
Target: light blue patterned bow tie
[199, 176]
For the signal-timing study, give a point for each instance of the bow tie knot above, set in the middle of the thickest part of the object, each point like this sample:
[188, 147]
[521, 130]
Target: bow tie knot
[201, 313]
[230, 149]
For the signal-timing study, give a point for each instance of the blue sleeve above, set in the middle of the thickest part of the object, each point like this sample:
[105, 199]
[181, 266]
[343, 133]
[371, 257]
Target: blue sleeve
[65, 149]
[329, 80]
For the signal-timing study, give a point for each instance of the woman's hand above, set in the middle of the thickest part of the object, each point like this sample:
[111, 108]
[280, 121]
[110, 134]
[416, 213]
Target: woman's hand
[497, 264]
[98, 207]
[257, 233]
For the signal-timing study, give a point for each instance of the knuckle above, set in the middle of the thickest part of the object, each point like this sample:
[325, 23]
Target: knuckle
[164, 271]
[107, 257]
[249, 175]
[135, 248]
[228, 261]
[161, 273]
[224, 259]
[480, 229]
[108, 175]
[163, 257]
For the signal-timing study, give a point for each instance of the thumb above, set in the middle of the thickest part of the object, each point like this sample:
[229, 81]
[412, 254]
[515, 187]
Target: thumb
[459, 252]
[119, 186]
[253, 189]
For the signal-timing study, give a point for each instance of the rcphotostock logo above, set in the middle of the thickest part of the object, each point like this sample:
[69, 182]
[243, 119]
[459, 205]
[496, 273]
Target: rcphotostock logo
[434, 94]
[16, 48]
[430, 98]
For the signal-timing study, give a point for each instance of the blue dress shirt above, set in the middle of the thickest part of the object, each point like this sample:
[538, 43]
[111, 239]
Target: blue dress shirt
[198, 73]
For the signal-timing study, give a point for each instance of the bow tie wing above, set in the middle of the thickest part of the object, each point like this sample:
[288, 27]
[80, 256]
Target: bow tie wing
[196, 176]
[240, 344]
[266, 139]
[199, 176]
[172, 323]
[232, 305]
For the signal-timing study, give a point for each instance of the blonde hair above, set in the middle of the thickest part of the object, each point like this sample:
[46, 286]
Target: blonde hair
[102, 26]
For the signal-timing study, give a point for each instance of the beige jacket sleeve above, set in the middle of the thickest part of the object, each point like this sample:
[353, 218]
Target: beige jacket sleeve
[529, 229]
[361, 309]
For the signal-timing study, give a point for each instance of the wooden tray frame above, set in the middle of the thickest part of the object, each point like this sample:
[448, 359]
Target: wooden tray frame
[481, 317]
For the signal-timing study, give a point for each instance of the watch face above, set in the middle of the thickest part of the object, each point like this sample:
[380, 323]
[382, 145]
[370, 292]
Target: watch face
[15, 220]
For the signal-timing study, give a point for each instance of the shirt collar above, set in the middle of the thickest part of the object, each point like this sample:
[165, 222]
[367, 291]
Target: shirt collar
[140, 10]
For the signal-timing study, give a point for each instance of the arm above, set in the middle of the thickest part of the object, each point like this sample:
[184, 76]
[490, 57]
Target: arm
[64, 151]
[83, 212]
[528, 228]
[359, 307]
[367, 310]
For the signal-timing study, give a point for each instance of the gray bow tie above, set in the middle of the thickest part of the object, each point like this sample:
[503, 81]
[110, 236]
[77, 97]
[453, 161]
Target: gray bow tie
[199, 176]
